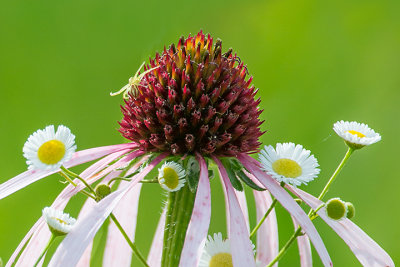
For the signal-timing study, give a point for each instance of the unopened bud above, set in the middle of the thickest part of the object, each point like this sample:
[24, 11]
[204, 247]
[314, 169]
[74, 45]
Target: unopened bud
[351, 210]
[336, 209]
[102, 190]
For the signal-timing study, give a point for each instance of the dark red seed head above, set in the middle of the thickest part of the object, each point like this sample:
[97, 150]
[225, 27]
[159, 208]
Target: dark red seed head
[197, 99]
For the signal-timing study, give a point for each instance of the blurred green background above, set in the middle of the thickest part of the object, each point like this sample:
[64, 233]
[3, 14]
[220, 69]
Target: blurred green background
[315, 62]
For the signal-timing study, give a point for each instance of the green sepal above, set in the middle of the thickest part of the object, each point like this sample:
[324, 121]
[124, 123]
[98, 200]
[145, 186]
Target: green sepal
[192, 169]
[231, 174]
[242, 176]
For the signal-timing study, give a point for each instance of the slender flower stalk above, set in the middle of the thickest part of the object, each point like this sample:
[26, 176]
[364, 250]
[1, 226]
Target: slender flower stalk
[335, 174]
[263, 218]
[51, 240]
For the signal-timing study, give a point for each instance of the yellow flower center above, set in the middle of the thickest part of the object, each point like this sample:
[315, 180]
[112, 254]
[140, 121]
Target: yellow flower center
[356, 133]
[59, 220]
[221, 260]
[287, 167]
[171, 178]
[51, 152]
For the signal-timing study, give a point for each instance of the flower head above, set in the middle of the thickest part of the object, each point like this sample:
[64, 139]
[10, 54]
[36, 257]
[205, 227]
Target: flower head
[48, 150]
[196, 99]
[59, 223]
[171, 176]
[289, 163]
[356, 135]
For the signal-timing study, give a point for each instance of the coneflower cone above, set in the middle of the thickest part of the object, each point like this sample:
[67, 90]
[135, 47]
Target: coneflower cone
[197, 99]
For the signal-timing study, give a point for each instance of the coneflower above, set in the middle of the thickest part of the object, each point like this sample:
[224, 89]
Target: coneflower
[191, 106]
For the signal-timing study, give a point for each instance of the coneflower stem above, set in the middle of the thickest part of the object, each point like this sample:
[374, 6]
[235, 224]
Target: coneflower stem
[335, 174]
[178, 215]
[52, 238]
[131, 244]
[263, 218]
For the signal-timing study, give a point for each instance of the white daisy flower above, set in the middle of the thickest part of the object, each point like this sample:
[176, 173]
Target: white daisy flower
[356, 135]
[59, 223]
[171, 176]
[217, 252]
[289, 163]
[47, 149]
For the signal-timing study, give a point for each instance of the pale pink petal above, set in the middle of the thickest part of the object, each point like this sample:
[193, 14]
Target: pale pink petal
[367, 251]
[288, 203]
[267, 234]
[117, 251]
[154, 257]
[71, 248]
[304, 245]
[26, 178]
[200, 221]
[241, 246]
[241, 196]
[85, 259]
[40, 232]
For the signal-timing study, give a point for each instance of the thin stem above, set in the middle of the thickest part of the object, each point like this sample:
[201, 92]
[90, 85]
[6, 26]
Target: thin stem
[78, 177]
[150, 181]
[335, 174]
[67, 178]
[52, 238]
[263, 218]
[285, 247]
[131, 244]
[118, 178]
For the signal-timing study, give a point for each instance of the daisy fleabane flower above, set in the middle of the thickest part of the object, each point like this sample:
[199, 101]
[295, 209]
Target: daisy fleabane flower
[171, 176]
[355, 134]
[217, 252]
[289, 163]
[60, 223]
[47, 149]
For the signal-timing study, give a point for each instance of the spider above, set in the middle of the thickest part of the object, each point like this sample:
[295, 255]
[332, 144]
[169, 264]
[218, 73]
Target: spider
[133, 84]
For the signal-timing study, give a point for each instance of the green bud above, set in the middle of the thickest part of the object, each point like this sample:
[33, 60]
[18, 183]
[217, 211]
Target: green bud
[351, 210]
[102, 190]
[336, 209]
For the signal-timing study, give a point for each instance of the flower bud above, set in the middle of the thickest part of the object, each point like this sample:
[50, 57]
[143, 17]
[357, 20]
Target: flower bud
[102, 190]
[336, 209]
[351, 210]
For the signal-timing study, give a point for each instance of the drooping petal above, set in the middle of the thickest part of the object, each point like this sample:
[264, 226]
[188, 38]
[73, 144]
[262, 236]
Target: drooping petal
[117, 251]
[288, 203]
[154, 257]
[85, 259]
[367, 251]
[38, 235]
[200, 221]
[243, 206]
[267, 235]
[304, 245]
[28, 177]
[70, 250]
[241, 247]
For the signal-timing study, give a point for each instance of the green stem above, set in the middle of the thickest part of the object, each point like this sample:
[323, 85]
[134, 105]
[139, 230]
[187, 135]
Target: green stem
[263, 218]
[68, 172]
[285, 247]
[150, 181]
[335, 174]
[131, 244]
[179, 211]
[52, 238]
